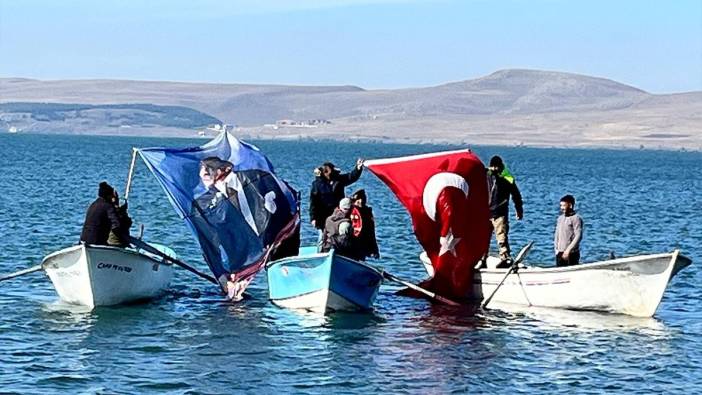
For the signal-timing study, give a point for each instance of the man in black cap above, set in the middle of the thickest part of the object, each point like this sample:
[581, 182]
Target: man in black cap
[101, 217]
[363, 224]
[327, 190]
[500, 189]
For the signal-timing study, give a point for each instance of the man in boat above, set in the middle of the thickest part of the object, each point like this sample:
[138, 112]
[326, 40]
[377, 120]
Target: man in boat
[101, 217]
[338, 231]
[327, 190]
[569, 233]
[120, 237]
[502, 186]
[363, 224]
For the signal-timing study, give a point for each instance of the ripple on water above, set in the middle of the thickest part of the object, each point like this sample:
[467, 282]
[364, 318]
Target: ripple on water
[191, 341]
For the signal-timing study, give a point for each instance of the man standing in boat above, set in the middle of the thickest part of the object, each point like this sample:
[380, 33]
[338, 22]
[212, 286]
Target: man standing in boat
[327, 190]
[363, 224]
[502, 186]
[569, 233]
[101, 217]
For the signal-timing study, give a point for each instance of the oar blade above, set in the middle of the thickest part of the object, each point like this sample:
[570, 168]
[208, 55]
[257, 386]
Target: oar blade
[419, 289]
[523, 252]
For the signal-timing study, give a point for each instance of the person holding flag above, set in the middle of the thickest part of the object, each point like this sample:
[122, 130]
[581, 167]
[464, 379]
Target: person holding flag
[363, 223]
[502, 186]
[327, 189]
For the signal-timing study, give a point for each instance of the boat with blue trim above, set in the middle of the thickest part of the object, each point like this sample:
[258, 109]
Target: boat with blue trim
[323, 282]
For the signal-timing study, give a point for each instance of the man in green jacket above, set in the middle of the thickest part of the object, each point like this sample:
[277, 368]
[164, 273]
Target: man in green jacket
[501, 188]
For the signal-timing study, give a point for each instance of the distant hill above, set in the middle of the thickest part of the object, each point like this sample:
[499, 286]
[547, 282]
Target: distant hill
[505, 107]
[72, 118]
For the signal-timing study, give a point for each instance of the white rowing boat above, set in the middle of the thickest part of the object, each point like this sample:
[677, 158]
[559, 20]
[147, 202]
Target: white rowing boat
[103, 276]
[632, 285]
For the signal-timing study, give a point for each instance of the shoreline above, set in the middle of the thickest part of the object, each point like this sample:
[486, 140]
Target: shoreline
[360, 139]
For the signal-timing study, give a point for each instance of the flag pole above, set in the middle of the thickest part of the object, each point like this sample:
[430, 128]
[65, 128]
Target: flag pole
[130, 175]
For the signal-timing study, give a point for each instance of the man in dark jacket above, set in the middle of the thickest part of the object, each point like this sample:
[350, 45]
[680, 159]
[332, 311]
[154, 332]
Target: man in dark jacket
[120, 237]
[501, 189]
[338, 232]
[101, 217]
[328, 189]
[363, 224]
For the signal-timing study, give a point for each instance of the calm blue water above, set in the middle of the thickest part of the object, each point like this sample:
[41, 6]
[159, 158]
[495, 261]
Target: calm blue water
[191, 341]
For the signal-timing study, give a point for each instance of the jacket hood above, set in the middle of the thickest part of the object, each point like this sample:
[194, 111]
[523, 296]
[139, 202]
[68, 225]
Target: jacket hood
[106, 191]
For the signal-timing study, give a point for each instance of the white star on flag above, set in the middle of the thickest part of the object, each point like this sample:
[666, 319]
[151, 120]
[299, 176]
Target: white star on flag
[448, 243]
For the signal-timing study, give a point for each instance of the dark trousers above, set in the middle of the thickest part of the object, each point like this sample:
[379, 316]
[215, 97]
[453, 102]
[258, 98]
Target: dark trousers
[573, 259]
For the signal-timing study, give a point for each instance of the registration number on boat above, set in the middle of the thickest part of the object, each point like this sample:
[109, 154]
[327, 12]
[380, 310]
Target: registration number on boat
[112, 266]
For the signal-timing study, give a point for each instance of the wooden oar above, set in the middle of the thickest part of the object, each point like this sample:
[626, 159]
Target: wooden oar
[22, 272]
[417, 288]
[147, 247]
[520, 257]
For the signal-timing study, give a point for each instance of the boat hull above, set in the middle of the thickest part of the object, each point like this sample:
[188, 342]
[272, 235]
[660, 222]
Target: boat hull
[323, 283]
[104, 276]
[632, 286]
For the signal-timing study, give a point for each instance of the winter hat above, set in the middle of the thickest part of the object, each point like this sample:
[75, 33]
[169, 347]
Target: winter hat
[360, 194]
[496, 161]
[345, 204]
[331, 166]
[106, 191]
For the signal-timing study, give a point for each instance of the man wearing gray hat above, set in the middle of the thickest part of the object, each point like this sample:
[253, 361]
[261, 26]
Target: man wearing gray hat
[338, 233]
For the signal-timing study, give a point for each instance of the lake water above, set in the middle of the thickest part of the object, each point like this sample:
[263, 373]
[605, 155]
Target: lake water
[192, 341]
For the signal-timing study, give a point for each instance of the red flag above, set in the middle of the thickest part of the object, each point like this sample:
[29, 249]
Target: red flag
[447, 198]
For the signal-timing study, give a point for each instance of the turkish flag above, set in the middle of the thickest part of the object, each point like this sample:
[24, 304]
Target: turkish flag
[446, 195]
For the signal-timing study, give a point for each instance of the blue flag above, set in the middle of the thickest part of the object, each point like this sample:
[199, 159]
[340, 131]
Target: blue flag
[231, 199]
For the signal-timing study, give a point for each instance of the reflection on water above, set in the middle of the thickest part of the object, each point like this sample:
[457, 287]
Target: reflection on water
[192, 341]
[564, 320]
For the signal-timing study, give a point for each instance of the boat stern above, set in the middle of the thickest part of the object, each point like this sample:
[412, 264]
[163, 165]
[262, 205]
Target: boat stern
[354, 285]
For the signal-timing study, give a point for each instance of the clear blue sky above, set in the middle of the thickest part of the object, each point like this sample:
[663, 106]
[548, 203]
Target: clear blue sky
[653, 45]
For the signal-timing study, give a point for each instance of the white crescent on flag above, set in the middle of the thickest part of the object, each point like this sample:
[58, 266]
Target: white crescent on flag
[435, 185]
